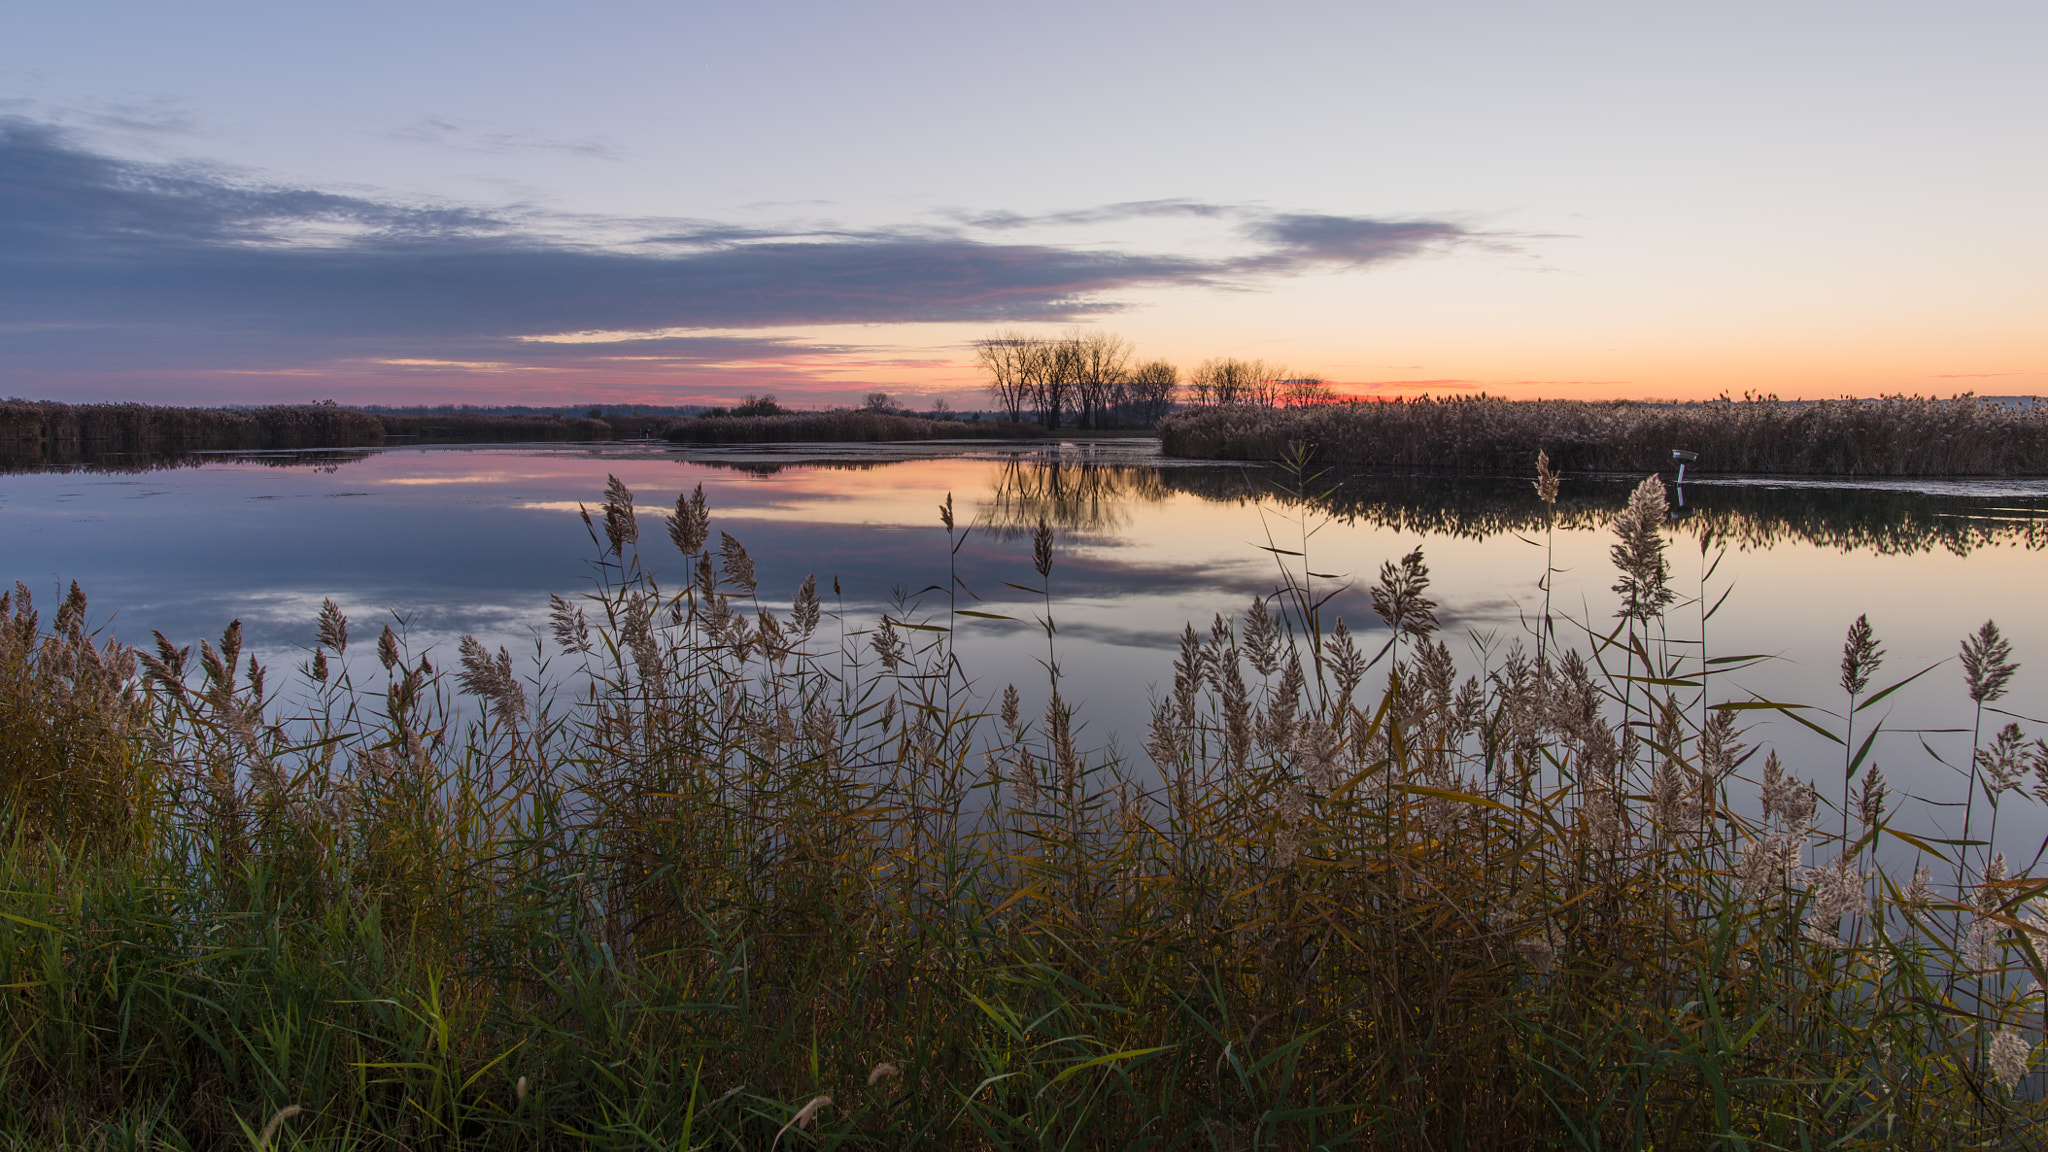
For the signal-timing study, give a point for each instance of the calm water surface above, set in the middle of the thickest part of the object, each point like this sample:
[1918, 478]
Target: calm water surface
[451, 540]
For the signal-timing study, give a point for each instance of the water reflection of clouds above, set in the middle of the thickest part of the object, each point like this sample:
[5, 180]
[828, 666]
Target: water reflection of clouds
[473, 478]
[1142, 551]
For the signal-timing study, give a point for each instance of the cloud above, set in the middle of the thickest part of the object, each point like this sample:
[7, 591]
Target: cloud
[107, 262]
[1302, 238]
[1106, 214]
[460, 136]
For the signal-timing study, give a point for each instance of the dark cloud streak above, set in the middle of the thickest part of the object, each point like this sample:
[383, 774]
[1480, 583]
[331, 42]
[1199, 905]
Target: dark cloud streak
[100, 256]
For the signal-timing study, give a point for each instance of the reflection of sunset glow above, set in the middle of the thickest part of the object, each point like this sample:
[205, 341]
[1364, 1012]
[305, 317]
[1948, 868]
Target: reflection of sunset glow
[475, 539]
[474, 478]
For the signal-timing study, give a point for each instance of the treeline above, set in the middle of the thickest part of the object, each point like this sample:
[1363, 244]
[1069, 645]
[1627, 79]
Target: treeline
[44, 430]
[1097, 379]
[840, 427]
[1889, 436]
[41, 432]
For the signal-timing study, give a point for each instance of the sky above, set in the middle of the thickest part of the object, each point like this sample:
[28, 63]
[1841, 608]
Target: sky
[679, 202]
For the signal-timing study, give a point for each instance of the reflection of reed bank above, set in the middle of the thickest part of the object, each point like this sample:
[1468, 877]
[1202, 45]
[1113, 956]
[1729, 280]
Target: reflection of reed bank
[1750, 516]
[1074, 496]
[135, 463]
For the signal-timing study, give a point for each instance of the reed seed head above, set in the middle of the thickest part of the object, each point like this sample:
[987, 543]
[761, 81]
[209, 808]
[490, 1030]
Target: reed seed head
[1398, 596]
[276, 1122]
[738, 566]
[1347, 663]
[1861, 657]
[1988, 895]
[1041, 548]
[491, 679]
[805, 1117]
[231, 649]
[1766, 864]
[1987, 664]
[888, 645]
[333, 627]
[689, 526]
[1261, 638]
[1546, 478]
[621, 526]
[71, 613]
[1833, 892]
[2005, 761]
[806, 610]
[2010, 1055]
[571, 629]
[883, 1071]
[1921, 891]
[1639, 553]
[1870, 798]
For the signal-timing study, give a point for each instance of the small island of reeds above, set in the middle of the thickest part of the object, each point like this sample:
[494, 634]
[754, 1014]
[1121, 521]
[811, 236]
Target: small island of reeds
[1890, 436]
[842, 428]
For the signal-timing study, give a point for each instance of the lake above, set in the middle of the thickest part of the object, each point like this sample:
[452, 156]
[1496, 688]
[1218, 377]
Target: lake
[454, 540]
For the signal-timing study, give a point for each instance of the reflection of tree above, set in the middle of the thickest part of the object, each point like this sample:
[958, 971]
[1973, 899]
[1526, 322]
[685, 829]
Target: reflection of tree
[1852, 519]
[772, 468]
[1075, 496]
[31, 457]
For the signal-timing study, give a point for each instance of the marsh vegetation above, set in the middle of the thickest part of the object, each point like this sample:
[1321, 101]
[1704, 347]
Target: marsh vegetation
[1890, 436]
[855, 427]
[723, 874]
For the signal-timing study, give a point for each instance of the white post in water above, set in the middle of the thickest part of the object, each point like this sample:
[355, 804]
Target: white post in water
[1683, 458]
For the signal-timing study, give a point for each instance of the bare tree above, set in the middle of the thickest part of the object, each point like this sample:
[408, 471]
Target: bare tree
[1305, 392]
[1150, 390]
[1101, 363]
[1053, 371]
[1228, 381]
[1031, 372]
[1007, 356]
[877, 402]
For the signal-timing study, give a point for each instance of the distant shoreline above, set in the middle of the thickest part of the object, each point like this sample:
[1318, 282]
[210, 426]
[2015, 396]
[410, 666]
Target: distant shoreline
[1890, 436]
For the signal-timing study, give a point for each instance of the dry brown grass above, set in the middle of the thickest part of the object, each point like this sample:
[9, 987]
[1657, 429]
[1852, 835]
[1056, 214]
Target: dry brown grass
[842, 427]
[1892, 436]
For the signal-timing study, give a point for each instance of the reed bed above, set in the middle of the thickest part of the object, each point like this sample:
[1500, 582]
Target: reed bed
[1892, 436]
[748, 877]
[497, 428]
[1881, 521]
[842, 427]
[43, 433]
[63, 432]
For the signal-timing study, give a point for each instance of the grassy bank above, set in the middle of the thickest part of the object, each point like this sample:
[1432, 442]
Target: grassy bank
[1893, 436]
[841, 427]
[778, 878]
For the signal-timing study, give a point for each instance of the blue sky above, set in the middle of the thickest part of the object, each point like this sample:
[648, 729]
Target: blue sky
[670, 202]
